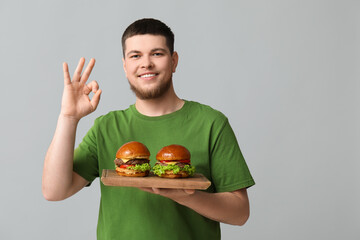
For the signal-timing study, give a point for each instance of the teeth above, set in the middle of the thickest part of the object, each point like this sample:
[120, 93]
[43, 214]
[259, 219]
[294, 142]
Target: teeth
[147, 75]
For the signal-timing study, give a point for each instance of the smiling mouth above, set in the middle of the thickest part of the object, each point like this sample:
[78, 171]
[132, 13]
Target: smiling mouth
[148, 75]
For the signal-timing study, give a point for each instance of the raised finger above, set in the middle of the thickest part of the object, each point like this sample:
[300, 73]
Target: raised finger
[67, 79]
[78, 70]
[87, 72]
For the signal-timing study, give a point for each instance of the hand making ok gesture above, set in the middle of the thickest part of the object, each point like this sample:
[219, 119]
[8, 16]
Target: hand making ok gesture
[76, 102]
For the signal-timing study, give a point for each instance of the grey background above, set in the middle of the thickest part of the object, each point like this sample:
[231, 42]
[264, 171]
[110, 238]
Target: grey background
[286, 73]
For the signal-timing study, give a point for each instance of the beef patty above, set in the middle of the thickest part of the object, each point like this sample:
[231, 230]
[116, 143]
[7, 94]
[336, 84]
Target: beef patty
[120, 162]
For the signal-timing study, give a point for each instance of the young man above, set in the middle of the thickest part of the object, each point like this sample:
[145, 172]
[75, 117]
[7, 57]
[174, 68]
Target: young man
[158, 118]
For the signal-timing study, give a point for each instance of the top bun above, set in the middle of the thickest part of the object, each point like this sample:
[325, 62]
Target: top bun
[173, 152]
[133, 150]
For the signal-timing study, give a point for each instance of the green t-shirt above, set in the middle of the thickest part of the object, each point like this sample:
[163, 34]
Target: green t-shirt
[129, 213]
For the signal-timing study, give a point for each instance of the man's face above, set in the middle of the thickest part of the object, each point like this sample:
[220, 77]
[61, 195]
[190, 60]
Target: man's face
[149, 65]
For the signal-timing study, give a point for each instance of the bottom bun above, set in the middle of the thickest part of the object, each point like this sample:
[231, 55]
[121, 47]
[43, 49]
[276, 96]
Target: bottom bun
[170, 174]
[130, 173]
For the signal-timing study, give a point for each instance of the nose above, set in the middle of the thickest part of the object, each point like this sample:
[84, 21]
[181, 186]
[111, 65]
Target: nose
[147, 62]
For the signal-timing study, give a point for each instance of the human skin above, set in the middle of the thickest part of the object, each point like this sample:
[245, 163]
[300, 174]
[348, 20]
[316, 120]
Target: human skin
[148, 64]
[58, 180]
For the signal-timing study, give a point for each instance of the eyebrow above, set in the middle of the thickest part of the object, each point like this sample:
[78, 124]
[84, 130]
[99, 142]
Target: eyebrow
[152, 50]
[158, 49]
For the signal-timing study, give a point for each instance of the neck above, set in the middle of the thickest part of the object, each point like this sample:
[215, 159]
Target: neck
[168, 103]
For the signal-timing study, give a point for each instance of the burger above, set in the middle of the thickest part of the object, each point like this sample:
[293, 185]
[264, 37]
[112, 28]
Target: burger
[132, 160]
[173, 161]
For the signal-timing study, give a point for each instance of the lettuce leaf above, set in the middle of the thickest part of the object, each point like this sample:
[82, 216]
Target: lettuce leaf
[160, 170]
[140, 167]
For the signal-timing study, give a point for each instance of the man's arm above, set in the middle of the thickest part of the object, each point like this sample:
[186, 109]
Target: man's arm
[59, 181]
[227, 207]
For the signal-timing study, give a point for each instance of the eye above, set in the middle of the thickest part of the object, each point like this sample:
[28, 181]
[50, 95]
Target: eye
[135, 56]
[158, 54]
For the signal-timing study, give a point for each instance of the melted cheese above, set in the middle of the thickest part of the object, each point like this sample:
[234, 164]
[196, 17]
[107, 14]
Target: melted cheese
[128, 159]
[125, 160]
[171, 163]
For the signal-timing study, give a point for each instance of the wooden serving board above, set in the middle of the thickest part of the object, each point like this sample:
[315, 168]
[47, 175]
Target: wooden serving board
[111, 178]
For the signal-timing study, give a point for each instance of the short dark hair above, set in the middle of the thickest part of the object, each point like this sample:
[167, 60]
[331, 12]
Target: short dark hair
[149, 26]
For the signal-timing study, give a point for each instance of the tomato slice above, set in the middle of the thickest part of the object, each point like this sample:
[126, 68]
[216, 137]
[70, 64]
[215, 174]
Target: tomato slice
[181, 161]
[126, 165]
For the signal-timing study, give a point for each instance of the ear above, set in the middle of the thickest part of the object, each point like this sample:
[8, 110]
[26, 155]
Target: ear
[175, 60]
[124, 66]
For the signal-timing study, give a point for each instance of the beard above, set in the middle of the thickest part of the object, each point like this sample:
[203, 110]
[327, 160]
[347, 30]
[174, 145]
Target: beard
[151, 93]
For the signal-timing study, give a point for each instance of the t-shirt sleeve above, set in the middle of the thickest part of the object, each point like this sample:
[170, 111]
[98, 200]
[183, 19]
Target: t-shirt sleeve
[85, 156]
[229, 171]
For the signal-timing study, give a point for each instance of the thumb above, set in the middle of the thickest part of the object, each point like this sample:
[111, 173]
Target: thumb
[96, 99]
[189, 191]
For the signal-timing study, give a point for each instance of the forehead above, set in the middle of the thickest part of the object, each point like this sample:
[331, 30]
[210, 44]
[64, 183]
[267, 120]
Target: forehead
[145, 42]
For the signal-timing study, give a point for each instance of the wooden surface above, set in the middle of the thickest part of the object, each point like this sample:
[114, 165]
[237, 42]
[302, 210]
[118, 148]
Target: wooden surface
[111, 178]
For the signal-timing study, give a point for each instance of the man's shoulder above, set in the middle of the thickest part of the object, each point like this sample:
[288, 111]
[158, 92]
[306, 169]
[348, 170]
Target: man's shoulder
[206, 110]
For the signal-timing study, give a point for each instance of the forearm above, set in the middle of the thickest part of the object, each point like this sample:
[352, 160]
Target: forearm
[226, 207]
[58, 164]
